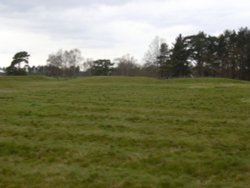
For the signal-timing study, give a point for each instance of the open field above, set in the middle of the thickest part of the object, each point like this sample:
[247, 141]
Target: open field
[124, 132]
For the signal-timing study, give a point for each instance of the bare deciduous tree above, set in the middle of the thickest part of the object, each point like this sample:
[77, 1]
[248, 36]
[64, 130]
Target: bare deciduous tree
[153, 52]
[127, 66]
[65, 62]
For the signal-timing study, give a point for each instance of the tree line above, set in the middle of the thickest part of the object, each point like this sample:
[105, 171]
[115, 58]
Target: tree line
[201, 55]
[227, 55]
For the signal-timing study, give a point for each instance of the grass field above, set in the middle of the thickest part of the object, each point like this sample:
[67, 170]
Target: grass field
[124, 132]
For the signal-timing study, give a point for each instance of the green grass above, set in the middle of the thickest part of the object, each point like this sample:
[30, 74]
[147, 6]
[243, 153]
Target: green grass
[124, 132]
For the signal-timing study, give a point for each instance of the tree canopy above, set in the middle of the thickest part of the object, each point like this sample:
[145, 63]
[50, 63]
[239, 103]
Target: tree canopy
[15, 66]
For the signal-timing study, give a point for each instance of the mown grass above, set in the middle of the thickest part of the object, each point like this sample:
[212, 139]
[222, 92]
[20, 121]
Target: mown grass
[124, 132]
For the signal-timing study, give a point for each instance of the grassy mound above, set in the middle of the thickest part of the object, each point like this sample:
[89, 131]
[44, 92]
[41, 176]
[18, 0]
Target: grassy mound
[124, 132]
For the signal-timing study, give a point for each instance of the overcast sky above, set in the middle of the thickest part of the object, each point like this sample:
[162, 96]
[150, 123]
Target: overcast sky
[109, 28]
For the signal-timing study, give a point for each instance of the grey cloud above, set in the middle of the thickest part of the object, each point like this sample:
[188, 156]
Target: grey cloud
[115, 25]
[59, 24]
[27, 4]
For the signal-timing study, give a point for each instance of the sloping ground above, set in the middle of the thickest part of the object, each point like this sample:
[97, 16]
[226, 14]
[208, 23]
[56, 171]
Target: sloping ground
[124, 132]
